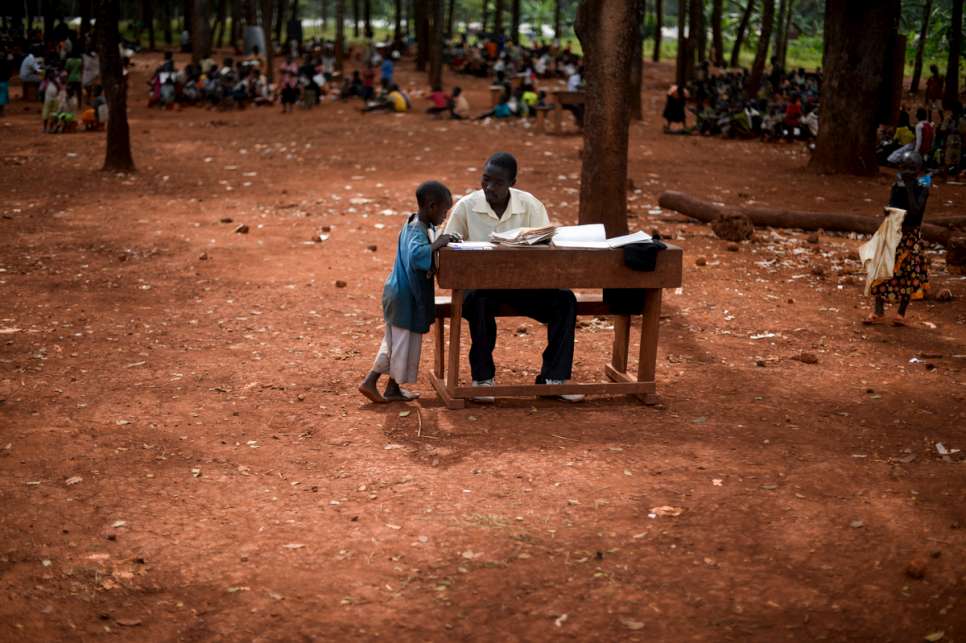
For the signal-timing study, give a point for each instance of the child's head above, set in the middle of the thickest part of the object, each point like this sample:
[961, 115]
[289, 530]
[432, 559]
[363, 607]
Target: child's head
[434, 201]
[921, 114]
[457, 91]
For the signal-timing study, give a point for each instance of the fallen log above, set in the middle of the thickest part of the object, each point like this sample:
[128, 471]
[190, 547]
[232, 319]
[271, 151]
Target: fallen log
[706, 212]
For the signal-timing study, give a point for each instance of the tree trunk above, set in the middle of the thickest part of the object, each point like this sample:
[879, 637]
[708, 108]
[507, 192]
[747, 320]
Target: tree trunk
[706, 212]
[636, 68]
[421, 16]
[279, 19]
[397, 29]
[187, 10]
[324, 11]
[498, 18]
[436, 44]
[267, 7]
[147, 21]
[515, 21]
[200, 39]
[609, 32]
[658, 25]
[952, 66]
[85, 19]
[339, 33]
[117, 157]
[556, 19]
[740, 33]
[221, 20]
[717, 41]
[234, 33]
[486, 15]
[779, 30]
[450, 19]
[764, 39]
[860, 39]
[355, 18]
[698, 35]
[367, 18]
[251, 13]
[683, 45]
[166, 22]
[786, 30]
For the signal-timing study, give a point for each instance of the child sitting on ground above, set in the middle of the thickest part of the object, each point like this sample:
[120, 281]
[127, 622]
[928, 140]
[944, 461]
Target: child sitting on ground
[408, 296]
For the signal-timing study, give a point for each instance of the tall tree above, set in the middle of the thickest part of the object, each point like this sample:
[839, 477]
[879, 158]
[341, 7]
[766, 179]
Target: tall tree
[221, 18]
[741, 31]
[421, 9]
[324, 12]
[697, 33]
[778, 31]
[609, 33]
[556, 19]
[860, 37]
[279, 19]
[786, 30]
[268, 7]
[764, 39]
[450, 18]
[683, 45]
[339, 33]
[717, 41]
[85, 18]
[356, 14]
[436, 44]
[952, 64]
[498, 17]
[921, 45]
[147, 17]
[166, 22]
[658, 26]
[367, 18]
[515, 21]
[397, 27]
[200, 38]
[486, 14]
[636, 68]
[117, 156]
[235, 18]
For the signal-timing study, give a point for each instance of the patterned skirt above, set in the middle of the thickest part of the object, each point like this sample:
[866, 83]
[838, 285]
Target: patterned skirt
[910, 278]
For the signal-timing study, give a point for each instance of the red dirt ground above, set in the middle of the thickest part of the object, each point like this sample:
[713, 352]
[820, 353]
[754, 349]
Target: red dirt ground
[233, 485]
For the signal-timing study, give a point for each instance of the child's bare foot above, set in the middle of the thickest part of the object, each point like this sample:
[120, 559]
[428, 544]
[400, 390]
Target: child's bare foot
[368, 388]
[873, 319]
[394, 393]
[900, 320]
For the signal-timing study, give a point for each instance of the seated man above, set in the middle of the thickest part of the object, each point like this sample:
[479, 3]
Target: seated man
[500, 207]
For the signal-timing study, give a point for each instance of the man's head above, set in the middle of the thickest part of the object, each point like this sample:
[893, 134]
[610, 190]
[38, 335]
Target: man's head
[434, 201]
[499, 175]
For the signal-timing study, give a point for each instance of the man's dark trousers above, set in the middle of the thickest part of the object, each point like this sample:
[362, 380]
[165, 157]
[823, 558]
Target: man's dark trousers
[556, 308]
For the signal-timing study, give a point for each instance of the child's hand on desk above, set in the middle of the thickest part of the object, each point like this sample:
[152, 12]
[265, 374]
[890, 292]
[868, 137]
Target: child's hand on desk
[443, 240]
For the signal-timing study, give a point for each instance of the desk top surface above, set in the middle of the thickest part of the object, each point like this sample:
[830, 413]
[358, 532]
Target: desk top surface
[548, 267]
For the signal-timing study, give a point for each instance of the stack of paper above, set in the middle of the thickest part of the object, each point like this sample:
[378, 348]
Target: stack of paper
[593, 236]
[523, 236]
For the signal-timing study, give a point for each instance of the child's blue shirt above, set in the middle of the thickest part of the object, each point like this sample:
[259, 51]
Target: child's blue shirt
[408, 298]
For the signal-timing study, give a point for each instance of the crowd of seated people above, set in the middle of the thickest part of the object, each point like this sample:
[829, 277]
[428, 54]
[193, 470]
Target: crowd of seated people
[785, 107]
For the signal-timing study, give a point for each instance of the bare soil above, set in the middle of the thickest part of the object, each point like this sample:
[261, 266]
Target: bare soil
[184, 456]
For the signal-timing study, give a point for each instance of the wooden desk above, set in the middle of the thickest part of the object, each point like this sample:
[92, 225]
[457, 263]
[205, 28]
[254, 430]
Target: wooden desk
[561, 98]
[546, 267]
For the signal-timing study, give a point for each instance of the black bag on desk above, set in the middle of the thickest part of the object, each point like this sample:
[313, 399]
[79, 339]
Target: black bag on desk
[637, 256]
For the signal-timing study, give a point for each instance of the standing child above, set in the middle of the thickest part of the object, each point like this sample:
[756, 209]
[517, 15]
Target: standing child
[909, 278]
[408, 296]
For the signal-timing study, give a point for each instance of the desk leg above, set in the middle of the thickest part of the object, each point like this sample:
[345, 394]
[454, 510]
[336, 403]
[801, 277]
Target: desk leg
[453, 372]
[622, 337]
[650, 325]
[440, 352]
[558, 119]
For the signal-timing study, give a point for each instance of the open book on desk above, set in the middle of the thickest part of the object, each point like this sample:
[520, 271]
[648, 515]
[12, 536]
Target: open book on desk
[593, 236]
[523, 236]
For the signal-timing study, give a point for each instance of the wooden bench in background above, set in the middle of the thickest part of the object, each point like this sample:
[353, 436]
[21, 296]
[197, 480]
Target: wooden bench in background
[561, 98]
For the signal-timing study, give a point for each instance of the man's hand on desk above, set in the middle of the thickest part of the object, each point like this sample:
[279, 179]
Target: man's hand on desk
[445, 239]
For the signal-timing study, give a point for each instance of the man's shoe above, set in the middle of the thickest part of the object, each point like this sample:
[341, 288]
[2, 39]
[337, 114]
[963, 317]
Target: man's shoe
[575, 397]
[484, 399]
